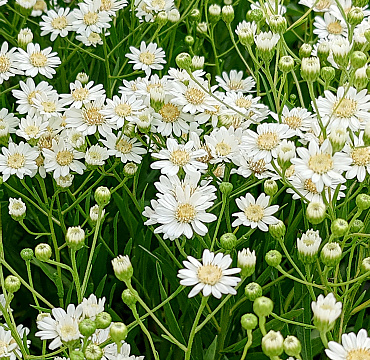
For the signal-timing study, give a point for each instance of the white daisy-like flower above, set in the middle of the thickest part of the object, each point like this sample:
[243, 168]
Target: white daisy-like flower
[123, 147]
[27, 4]
[36, 61]
[247, 166]
[309, 243]
[348, 108]
[353, 347]
[61, 326]
[32, 127]
[8, 344]
[318, 164]
[62, 158]
[111, 6]
[92, 39]
[318, 6]
[18, 160]
[48, 105]
[148, 58]
[212, 276]
[234, 81]
[255, 213]
[89, 19]
[266, 41]
[326, 310]
[56, 23]
[96, 155]
[3, 2]
[359, 32]
[8, 123]
[8, 63]
[246, 28]
[177, 157]
[65, 181]
[329, 27]
[144, 8]
[92, 306]
[75, 138]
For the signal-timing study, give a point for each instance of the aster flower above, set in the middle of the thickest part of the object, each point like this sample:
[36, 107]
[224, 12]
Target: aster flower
[96, 155]
[325, 311]
[8, 344]
[148, 58]
[32, 127]
[246, 104]
[234, 81]
[92, 39]
[56, 23]
[92, 306]
[8, 63]
[48, 105]
[329, 27]
[318, 6]
[8, 124]
[212, 276]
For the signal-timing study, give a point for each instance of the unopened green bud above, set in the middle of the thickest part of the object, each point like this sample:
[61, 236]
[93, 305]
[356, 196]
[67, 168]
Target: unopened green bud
[83, 78]
[202, 28]
[278, 230]
[360, 79]
[246, 262]
[87, 327]
[273, 258]
[316, 212]
[118, 332]
[183, 61]
[75, 238]
[256, 15]
[328, 73]
[272, 344]
[27, 254]
[305, 51]
[277, 24]
[103, 320]
[122, 268]
[249, 321]
[194, 15]
[365, 265]
[292, 346]
[253, 291]
[130, 169]
[270, 187]
[339, 227]
[360, 3]
[338, 138]
[226, 188]
[12, 284]
[228, 241]
[363, 201]
[263, 306]
[76, 355]
[214, 12]
[358, 59]
[43, 252]
[331, 254]
[357, 226]
[323, 50]
[102, 196]
[286, 64]
[355, 16]
[161, 18]
[93, 352]
[310, 68]
[189, 40]
[228, 14]
[129, 298]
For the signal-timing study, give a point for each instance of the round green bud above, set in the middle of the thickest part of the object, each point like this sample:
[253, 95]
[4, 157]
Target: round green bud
[75, 237]
[253, 291]
[278, 24]
[228, 14]
[272, 344]
[228, 241]
[316, 212]
[102, 196]
[357, 226]
[323, 50]
[43, 252]
[256, 15]
[12, 284]
[360, 79]
[355, 16]
[358, 59]
[214, 13]
[292, 346]
[130, 169]
[129, 298]
[263, 306]
[360, 3]
[93, 352]
[270, 187]
[305, 51]
[189, 40]
[365, 265]
[161, 18]
[118, 332]
[328, 73]
[278, 230]
[310, 68]
[183, 61]
[293, 98]
[87, 327]
[339, 227]
[286, 64]
[249, 321]
[273, 258]
[103, 320]
[194, 15]
[226, 188]
[27, 254]
[248, 16]
[122, 268]
[76, 355]
[331, 254]
[363, 201]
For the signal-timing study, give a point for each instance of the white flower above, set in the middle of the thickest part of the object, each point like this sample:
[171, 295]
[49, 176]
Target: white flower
[27, 4]
[56, 23]
[255, 213]
[65, 181]
[266, 41]
[111, 6]
[17, 207]
[92, 306]
[8, 123]
[353, 347]
[18, 160]
[36, 61]
[326, 310]
[246, 258]
[8, 63]
[48, 105]
[94, 212]
[248, 166]
[92, 39]
[96, 155]
[31, 127]
[318, 6]
[309, 243]
[8, 344]
[235, 82]
[245, 104]
[212, 276]
[25, 36]
[177, 157]
[148, 58]
[60, 326]
[329, 27]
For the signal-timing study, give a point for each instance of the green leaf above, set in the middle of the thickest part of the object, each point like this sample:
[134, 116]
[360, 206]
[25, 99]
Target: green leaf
[211, 351]
[99, 289]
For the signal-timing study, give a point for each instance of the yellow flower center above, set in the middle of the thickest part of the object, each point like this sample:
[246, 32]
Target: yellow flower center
[106, 5]
[90, 18]
[40, 5]
[59, 23]
[243, 103]
[205, 158]
[39, 160]
[209, 112]
[310, 186]
[66, 331]
[223, 149]
[123, 146]
[309, 242]
[258, 167]
[323, 4]
[267, 141]
[235, 85]
[31, 96]
[179, 157]
[49, 106]
[185, 213]
[16, 161]
[94, 38]
[335, 28]
[123, 110]
[209, 274]
[64, 157]
[254, 212]
[80, 94]
[321, 163]
[294, 122]
[358, 354]
[361, 156]
[4, 64]
[194, 96]
[32, 130]
[38, 59]
[169, 113]
[147, 58]
[345, 108]
[92, 116]
[158, 4]
[3, 347]
[45, 141]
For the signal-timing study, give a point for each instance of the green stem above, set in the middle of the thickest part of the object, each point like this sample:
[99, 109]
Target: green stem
[76, 276]
[248, 344]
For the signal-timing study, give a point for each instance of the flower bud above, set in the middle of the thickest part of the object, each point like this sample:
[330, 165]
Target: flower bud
[365, 265]
[358, 59]
[228, 241]
[157, 96]
[363, 201]
[183, 61]
[64, 182]
[360, 79]
[339, 227]
[256, 15]
[292, 346]
[43, 252]
[75, 237]
[118, 332]
[360, 3]
[103, 320]
[341, 48]
[286, 64]
[12, 284]
[331, 254]
[253, 291]
[130, 169]
[263, 306]
[189, 40]
[277, 24]
[328, 73]
[273, 258]
[249, 321]
[214, 12]
[270, 187]
[76, 355]
[83, 78]
[308, 246]
[228, 14]
[246, 262]
[129, 298]
[323, 50]
[194, 15]
[173, 16]
[357, 226]
[102, 196]
[27, 254]
[93, 352]
[305, 51]
[17, 209]
[122, 268]
[285, 151]
[87, 327]
[316, 212]
[226, 188]
[278, 230]
[202, 28]
[338, 138]
[355, 16]
[94, 213]
[25, 37]
[310, 68]
[197, 63]
[161, 18]
[272, 344]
